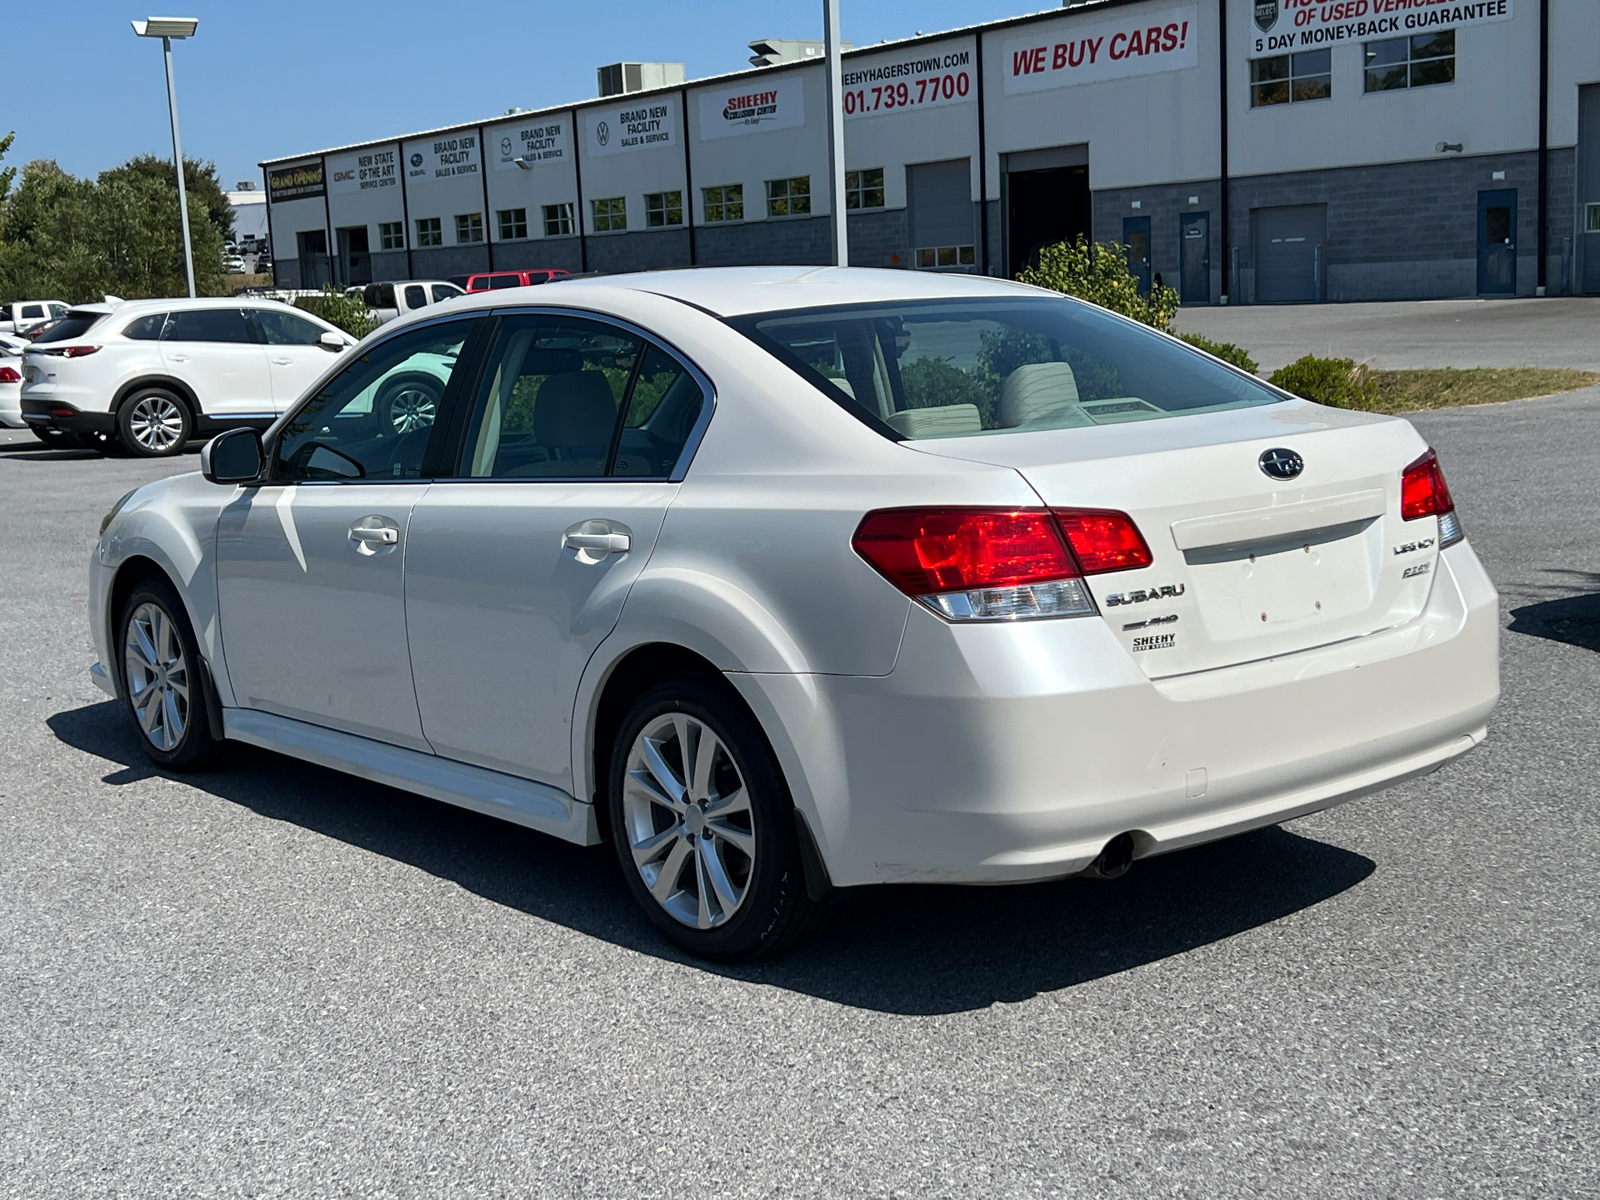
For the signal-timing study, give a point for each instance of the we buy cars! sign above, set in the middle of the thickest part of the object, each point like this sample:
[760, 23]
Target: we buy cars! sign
[1111, 49]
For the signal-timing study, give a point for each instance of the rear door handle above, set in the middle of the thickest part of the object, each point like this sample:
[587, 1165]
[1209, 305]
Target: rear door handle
[284, 362]
[373, 534]
[595, 539]
[610, 543]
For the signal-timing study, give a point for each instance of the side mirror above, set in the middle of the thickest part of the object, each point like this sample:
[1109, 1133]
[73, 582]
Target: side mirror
[333, 342]
[233, 457]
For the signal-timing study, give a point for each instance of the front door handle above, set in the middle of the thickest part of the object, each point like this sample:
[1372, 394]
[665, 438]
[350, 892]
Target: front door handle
[596, 539]
[374, 534]
[611, 543]
[283, 362]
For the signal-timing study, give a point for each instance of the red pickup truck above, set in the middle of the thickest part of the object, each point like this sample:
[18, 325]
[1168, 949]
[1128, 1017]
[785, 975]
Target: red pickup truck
[493, 280]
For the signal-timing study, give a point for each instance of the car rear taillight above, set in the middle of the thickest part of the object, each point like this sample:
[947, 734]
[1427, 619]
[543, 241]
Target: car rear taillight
[978, 564]
[9, 375]
[1424, 493]
[67, 351]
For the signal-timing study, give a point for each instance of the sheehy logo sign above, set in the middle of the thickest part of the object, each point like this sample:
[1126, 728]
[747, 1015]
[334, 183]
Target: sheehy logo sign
[1113, 49]
[929, 77]
[443, 158]
[1286, 25]
[771, 104]
[643, 125]
[370, 171]
[533, 144]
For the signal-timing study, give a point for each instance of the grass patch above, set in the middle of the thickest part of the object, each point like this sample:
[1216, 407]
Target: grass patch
[1446, 387]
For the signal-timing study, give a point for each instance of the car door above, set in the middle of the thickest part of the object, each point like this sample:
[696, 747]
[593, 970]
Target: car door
[295, 354]
[519, 564]
[214, 352]
[311, 566]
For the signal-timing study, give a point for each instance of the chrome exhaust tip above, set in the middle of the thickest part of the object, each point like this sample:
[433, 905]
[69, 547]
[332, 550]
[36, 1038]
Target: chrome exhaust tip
[1114, 860]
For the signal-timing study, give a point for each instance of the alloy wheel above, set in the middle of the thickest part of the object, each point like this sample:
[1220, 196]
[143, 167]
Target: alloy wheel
[158, 676]
[412, 408]
[156, 423]
[688, 821]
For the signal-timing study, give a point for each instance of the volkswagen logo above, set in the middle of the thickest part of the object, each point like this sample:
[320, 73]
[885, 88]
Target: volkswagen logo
[1279, 463]
[602, 133]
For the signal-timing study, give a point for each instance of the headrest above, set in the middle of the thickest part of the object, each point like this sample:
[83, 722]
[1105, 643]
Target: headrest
[574, 408]
[1034, 390]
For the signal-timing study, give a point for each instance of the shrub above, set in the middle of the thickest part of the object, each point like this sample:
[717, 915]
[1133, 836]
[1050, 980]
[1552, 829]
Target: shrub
[1226, 351]
[1100, 275]
[349, 313]
[1336, 382]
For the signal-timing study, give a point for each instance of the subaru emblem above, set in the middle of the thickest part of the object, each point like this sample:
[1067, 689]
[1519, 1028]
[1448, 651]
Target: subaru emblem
[1279, 463]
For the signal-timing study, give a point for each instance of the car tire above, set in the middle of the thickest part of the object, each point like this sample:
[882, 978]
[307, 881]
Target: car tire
[409, 403]
[712, 853]
[154, 423]
[163, 681]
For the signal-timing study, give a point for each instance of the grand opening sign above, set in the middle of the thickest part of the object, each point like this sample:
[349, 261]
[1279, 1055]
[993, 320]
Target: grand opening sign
[1112, 49]
[1284, 25]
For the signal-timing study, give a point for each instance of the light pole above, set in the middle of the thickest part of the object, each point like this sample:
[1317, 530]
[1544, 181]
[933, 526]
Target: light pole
[167, 28]
[830, 33]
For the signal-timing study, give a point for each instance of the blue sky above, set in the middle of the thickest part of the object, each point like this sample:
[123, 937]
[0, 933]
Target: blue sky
[273, 77]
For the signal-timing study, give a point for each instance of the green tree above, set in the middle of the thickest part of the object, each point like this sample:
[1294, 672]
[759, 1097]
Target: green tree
[199, 180]
[1100, 275]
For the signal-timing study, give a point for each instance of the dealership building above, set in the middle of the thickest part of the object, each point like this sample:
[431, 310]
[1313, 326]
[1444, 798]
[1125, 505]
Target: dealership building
[1245, 151]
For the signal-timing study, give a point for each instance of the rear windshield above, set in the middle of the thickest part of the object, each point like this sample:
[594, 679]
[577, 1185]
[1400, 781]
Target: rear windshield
[70, 327]
[955, 368]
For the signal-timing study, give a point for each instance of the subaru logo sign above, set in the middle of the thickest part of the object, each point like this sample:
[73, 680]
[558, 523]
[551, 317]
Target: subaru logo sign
[1279, 463]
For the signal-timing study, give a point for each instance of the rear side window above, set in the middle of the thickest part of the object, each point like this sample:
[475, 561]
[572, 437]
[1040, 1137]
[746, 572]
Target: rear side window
[379, 295]
[71, 327]
[146, 329]
[207, 325]
[505, 281]
[416, 296]
[33, 312]
[953, 368]
[286, 329]
[445, 291]
[662, 410]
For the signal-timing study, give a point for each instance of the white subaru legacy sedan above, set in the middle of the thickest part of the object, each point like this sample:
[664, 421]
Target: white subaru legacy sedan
[785, 580]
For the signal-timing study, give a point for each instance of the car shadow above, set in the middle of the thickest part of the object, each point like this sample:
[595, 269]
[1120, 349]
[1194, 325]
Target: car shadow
[914, 950]
[1571, 619]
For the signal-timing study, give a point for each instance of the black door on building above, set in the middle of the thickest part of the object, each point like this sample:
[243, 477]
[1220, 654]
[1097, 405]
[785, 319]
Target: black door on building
[355, 259]
[1194, 248]
[1497, 242]
[1136, 237]
[1044, 207]
[1588, 239]
[313, 247]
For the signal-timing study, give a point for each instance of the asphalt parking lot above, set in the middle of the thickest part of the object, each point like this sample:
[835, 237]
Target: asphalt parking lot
[276, 980]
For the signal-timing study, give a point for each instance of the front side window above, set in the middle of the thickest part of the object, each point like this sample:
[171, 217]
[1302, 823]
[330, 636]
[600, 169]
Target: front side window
[864, 189]
[429, 232]
[445, 291]
[663, 208]
[469, 228]
[146, 329]
[391, 235]
[725, 203]
[513, 224]
[789, 197]
[1290, 78]
[954, 368]
[207, 325]
[557, 220]
[286, 329]
[373, 419]
[610, 214]
[1408, 62]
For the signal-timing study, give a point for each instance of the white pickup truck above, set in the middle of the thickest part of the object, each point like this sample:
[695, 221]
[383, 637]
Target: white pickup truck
[390, 300]
[24, 314]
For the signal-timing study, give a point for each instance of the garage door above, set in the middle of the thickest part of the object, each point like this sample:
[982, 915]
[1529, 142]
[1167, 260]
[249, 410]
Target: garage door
[940, 196]
[1286, 252]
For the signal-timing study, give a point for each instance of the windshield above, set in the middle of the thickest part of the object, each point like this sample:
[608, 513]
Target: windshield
[954, 368]
[74, 325]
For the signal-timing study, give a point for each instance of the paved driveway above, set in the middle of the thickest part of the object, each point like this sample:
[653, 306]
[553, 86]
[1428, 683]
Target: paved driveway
[279, 981]
[1557, 332]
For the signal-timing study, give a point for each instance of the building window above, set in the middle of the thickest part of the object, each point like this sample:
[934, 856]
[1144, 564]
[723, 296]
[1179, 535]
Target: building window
[1411, 61]
[469, 228]
[513, 223]
[429, 232]
[557, 220]
[933, 258]
[610, 214]
[663, 208]
[789, 197]
[391, 235]
[1591, 218]
[1291, 77]
[864, 189]
[725, 203]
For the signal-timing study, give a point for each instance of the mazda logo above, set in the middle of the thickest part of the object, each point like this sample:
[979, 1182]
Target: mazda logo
[1279, 463]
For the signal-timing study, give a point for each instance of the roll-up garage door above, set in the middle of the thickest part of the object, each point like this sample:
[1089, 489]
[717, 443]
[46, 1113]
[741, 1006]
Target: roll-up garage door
[940, 196]
[1286, 252]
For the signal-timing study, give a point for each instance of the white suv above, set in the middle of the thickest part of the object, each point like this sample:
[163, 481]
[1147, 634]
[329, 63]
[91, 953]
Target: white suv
[151, 374]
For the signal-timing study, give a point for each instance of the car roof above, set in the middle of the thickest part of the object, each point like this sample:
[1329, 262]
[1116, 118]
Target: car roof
[734, 291]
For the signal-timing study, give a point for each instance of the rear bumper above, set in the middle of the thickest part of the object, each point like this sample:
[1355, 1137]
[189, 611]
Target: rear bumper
[1004, 754]
[58, 414]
